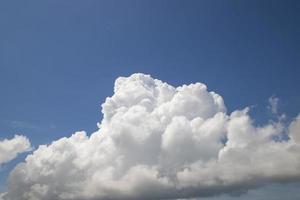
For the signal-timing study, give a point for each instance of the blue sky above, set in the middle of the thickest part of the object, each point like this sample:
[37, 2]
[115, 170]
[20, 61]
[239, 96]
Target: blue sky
[59, 59]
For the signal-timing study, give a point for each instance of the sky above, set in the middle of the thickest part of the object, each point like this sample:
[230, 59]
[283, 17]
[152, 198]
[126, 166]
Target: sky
[59, 61]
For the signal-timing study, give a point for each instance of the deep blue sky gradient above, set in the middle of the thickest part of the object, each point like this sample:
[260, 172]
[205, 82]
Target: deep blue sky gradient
[59, 59]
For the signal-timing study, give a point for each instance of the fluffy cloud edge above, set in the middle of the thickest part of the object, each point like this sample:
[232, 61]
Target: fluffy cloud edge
[10, 148]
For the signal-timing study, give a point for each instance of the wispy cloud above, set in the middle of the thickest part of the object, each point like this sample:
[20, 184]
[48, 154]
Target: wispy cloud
[21, 124]
[274, 108]
[273, 104]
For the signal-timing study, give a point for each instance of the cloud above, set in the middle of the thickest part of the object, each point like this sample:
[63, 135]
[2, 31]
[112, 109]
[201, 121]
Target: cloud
[22, 124]
[2, 195]
[160, 142]
[273, 104]
[10, 148]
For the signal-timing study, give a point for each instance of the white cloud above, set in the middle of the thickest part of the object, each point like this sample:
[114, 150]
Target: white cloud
[156, 142]
[10, 148]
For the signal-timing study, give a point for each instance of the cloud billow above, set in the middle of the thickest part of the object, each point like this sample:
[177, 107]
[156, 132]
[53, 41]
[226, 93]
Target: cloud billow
[160, 142]
[10, 148]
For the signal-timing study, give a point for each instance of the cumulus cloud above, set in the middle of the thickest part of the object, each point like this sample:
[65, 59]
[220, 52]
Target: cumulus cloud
[156, 141]
[10, 148]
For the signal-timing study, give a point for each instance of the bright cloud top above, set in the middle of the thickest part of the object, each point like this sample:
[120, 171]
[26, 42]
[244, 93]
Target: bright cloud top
[10, 148]
[156, 142]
